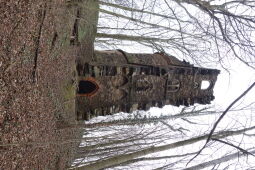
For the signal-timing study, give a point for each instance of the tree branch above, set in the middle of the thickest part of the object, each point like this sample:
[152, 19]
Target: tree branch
[220, 118]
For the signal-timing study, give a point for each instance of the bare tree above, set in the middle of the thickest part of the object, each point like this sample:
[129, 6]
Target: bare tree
[118, 159]
[206, 32]
[202, 31]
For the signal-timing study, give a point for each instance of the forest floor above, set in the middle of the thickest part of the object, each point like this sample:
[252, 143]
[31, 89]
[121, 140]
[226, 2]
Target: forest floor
[37, 87]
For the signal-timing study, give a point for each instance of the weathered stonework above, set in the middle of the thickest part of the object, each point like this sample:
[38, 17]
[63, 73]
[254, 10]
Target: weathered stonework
[117, 81]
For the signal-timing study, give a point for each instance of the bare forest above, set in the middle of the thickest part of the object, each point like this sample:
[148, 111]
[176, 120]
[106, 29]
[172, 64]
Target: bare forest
[41, 43]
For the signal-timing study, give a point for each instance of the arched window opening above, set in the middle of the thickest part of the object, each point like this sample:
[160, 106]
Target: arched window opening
[205, 84]
[173, 85]
[87, 87]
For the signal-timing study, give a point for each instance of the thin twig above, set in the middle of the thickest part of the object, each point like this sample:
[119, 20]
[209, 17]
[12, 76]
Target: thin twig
[220, 118]
[237, 147]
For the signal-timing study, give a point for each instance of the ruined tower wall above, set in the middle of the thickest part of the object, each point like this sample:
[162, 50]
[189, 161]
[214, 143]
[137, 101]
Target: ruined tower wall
[121, 81]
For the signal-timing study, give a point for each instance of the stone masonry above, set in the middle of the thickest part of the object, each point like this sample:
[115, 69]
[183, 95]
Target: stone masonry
[116, 81]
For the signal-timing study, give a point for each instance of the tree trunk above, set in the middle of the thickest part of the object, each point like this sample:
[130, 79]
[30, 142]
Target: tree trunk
[118, 159]
[132, 38]
[139, 121]
[87, 19]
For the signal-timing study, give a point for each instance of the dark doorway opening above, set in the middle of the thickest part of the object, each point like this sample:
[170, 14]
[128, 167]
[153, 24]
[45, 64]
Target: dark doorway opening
[87, 87]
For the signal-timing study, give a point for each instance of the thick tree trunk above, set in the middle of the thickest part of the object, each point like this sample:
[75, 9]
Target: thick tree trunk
[87, 19]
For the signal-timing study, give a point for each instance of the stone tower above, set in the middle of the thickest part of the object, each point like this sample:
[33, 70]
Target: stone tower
[117, 81]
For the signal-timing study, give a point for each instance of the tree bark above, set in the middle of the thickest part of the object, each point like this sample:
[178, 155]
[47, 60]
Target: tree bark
[132, 38]
[87, 19]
